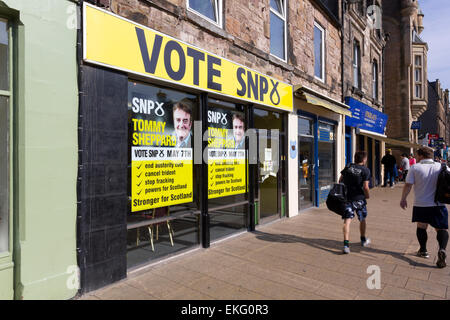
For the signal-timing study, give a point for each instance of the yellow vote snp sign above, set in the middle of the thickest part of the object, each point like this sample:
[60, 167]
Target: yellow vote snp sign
[113, 41]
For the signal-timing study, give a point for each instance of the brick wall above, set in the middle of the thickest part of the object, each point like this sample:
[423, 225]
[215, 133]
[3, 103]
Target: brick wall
[245, 36]
[356, 27]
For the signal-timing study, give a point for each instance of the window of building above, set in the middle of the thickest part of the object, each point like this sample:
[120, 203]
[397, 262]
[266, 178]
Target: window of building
[5, 97]
[373, 11]
[163, 183]
[359, 6]
[319, 52]
[278, 28]
[375, 80]
[356, 65]
[208, 9]
[418, 76]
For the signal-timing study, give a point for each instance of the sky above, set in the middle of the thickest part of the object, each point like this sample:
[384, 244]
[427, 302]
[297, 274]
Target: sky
[437, 35]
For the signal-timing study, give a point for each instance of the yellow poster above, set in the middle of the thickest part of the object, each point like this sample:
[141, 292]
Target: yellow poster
[227, 164]
[227, 172]
[160, 177]
[115, 42]
[160, 123]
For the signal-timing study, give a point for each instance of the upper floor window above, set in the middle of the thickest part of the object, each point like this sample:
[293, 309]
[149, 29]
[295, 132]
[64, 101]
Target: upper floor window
[209, 9]
[375, 80]
[278, 28]
[319, 52]
[5, 97]
[418, 76]
[360, 7]
[4, 56]
[356, 65]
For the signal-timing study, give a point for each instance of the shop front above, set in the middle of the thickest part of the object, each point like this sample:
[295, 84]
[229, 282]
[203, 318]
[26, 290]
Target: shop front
[317, 127]
[181, 147]
[365, 131]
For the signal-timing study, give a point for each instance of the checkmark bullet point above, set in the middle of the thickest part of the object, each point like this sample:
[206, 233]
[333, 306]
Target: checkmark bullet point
[140, 166]
[139, 175]
[139, 192]
[139, 184]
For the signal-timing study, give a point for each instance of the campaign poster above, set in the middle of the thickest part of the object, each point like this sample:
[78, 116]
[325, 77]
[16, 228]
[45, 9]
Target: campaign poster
[160, 129]
[226, 153]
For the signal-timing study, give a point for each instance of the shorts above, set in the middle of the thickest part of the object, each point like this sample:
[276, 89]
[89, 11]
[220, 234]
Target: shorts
[359, 206]
[437, 216]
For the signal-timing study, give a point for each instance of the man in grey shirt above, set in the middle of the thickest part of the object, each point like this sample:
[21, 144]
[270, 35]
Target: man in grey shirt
[405, 165]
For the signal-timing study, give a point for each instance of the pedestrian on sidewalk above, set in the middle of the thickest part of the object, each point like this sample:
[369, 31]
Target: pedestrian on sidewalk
[424, 176]
[356, 178]
[389, 163]
[412, 160]
[405, 166]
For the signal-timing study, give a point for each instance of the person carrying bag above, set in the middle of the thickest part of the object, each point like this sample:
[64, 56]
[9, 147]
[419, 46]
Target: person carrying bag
[356, 177]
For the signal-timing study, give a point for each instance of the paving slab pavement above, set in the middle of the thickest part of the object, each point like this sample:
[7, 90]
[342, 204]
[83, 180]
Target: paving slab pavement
[300, 258]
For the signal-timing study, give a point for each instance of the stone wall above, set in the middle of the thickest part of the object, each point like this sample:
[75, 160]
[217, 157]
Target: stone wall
[245, 36]
[357, 27]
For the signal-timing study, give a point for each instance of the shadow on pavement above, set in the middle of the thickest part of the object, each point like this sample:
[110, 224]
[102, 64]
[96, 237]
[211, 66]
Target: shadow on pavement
[332, 246]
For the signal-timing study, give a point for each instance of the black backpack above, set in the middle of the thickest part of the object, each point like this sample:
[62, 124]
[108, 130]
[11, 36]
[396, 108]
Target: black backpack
[337, 199]
[443, 186]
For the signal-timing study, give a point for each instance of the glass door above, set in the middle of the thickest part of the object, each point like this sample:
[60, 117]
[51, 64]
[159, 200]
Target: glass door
[326, 159]
[370, 160]
[305, 164]
[268, 174]
[270, 129]
[377, 174]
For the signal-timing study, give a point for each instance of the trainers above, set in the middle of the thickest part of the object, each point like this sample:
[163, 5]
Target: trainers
[365, 243]
[423, 254]
[346, 250]
[441, 259]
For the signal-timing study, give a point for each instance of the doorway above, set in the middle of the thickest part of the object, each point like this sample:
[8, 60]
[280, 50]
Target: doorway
[370, 161]
[305, 163]
[269, 128]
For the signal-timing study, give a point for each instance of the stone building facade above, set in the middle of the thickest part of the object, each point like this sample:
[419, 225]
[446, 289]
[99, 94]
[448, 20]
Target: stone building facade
[305, 55]
[405, 68]
[363, 60]
[360, 29]
[435, 119]
[245, 35]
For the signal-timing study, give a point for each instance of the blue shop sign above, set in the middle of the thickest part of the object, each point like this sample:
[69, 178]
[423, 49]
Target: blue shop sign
[415, 125]
[365, 117]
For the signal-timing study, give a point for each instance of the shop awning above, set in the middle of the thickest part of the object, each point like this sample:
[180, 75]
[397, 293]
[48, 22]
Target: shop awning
[318, 99]
[387, 140]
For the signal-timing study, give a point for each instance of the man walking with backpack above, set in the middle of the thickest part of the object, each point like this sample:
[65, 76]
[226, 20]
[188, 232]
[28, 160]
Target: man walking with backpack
[426, 210]
[356, 178]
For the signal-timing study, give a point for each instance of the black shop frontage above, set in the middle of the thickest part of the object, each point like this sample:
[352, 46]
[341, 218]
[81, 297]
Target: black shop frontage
[178, 148]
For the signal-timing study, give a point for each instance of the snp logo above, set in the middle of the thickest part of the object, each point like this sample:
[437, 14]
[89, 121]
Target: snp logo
[147, 106]
[217, 117]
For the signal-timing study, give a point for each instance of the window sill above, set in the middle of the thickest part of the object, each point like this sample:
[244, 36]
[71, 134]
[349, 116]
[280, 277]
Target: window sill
[278, 62]
[358, 92]
[207, 25]
[322, 81]
[360, 20]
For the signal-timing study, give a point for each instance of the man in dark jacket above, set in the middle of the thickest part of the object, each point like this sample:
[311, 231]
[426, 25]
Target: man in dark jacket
[389, 162]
